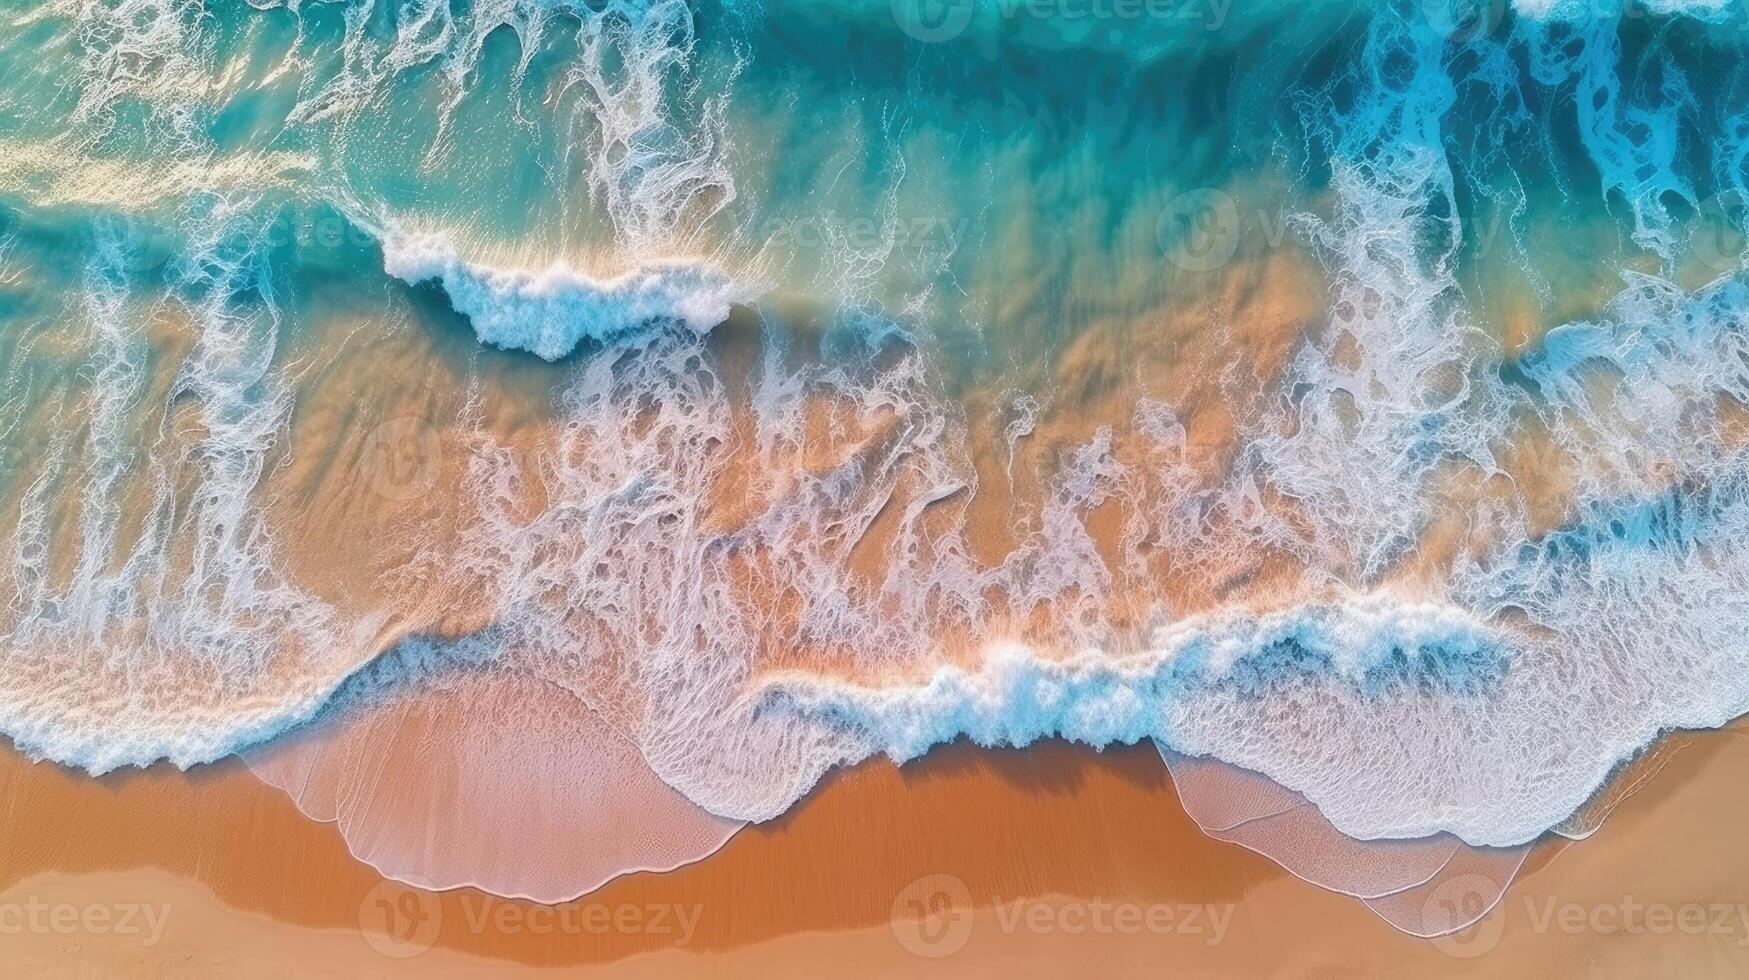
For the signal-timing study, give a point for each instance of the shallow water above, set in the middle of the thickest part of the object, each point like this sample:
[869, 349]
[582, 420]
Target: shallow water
[1350, 392]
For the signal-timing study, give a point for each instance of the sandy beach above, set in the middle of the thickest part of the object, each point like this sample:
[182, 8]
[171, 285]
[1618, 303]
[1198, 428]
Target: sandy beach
[1068, 860]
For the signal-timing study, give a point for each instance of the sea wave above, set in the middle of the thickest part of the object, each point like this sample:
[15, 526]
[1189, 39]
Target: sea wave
[549, 313]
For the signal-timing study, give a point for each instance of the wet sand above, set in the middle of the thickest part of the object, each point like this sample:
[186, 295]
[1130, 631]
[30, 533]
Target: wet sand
[1073, 861]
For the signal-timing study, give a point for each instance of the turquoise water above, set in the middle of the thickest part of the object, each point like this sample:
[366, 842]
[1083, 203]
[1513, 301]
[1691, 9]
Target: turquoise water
[1350, 392]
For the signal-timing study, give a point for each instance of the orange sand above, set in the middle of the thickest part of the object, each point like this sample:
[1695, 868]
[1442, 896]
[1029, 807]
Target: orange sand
[1075, 862]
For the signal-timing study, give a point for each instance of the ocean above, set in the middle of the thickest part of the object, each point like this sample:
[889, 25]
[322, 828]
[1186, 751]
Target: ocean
[493, 416]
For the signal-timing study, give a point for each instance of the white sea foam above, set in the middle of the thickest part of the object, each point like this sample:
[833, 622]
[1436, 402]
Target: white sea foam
[1015, 696]
[1609, 11]
[549, 313]
[183, 643]
[650, 136]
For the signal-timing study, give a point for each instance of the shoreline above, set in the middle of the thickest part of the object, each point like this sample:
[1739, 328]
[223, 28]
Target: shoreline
[1057, 843]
